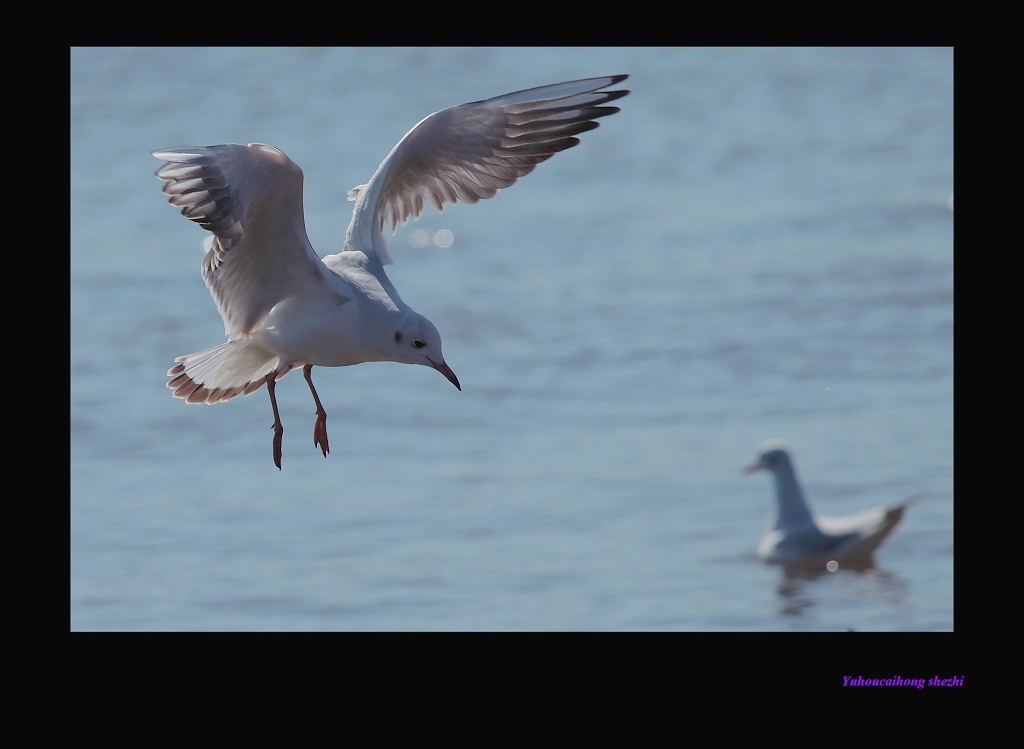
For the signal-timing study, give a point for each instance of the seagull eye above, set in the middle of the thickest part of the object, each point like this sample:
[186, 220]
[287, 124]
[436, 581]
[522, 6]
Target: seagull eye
[398, 337]
[418, 343]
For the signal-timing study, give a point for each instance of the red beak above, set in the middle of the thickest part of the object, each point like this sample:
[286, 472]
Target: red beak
[447, 372]
[752, 467]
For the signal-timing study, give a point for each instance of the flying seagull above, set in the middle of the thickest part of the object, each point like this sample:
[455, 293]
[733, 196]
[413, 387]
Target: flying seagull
[283, 306]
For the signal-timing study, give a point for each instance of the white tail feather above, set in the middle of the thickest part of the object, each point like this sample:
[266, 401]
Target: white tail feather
[222, 372]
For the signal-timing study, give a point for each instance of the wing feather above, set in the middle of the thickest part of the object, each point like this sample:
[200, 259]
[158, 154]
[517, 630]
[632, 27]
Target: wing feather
[250, 198]
[471, 151]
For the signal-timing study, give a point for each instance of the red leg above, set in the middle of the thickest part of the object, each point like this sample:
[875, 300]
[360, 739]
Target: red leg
[320, 428]
[278, 427]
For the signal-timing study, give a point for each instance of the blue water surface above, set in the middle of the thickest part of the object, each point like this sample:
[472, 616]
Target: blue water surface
[758, 245]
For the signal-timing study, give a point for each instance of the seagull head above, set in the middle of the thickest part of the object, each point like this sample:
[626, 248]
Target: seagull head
[415, 340]
[769, 455]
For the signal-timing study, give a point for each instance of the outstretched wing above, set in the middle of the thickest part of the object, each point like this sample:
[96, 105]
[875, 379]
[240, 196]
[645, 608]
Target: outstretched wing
[250, 198]
[471, 151]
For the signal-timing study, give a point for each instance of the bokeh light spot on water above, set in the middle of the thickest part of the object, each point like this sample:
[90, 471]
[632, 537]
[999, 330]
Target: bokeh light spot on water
[832, 566]
[419, 238]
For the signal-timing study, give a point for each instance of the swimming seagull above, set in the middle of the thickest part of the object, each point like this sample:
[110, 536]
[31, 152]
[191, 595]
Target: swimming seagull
[802, 541]
[282, 305]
